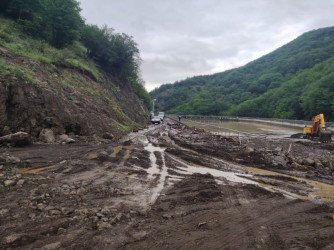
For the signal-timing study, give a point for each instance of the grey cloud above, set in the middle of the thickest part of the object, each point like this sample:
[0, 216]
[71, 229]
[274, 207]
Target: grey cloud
[179, 39]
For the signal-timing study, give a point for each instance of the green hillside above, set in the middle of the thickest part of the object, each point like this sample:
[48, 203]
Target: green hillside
[295, 81]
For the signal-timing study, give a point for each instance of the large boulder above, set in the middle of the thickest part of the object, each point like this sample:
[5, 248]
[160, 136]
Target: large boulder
[17, 139]
[47, 136]
[279, 161]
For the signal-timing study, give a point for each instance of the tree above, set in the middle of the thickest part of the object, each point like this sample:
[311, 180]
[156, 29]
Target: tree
[57, 21]
[63, 21]
[115, 53]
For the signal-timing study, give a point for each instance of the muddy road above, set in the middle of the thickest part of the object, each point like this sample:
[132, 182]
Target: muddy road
[168, 187]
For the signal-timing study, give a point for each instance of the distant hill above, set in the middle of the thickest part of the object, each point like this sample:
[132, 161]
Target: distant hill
[295, 81]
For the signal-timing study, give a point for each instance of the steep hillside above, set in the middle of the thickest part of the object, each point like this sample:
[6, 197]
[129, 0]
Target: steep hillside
[44, 87]
[295, 81]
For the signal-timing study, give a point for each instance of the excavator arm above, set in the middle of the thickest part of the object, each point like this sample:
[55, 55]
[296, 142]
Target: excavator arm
[318, 124]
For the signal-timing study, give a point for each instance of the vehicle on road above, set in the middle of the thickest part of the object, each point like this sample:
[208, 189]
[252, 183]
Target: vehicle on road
[161, 115]
[156, 120]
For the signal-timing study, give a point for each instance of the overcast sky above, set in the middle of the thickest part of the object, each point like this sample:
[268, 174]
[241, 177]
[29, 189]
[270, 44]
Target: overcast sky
[183, 38]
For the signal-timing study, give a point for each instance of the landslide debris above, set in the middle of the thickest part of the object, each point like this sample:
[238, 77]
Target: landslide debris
[88, 195]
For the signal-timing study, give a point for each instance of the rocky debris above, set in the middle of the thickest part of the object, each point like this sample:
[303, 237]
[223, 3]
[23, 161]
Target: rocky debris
[279, 161]
[118, 218]
[47, 136]
[4, 211]
[54, 212]
[71, 198]
[167, 217]
[65, 139]
[277, 150]
[51, 246]
[9, 183]
[141, 235]
[20, 182]
[5, 158]
[61, 230]
[17, 139]
[309, 162]
[249, 150]
[12, 238]
[108, 136]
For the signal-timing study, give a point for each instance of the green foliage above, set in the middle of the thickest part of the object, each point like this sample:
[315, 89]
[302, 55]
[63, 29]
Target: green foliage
[142, 94]
[115, 53]
[118, 55]
[63, 21]
[124, 128]
[57, 21]
[296, 81]
[73, 56]
[4, 69]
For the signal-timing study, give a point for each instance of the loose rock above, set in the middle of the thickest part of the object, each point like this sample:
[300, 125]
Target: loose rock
[47, 136]
[20, 182]
[140, 235]
[17, 139]
[108, 136]
[309, 162]
[65, 139]
[8, 183]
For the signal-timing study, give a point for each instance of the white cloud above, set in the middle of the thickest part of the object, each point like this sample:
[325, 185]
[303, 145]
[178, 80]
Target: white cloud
[179, 39]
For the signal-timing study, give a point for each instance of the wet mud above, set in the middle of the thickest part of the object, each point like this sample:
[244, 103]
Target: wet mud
[166, 187]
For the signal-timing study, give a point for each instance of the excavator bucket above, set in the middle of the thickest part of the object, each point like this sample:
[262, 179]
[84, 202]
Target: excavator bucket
[326, 136]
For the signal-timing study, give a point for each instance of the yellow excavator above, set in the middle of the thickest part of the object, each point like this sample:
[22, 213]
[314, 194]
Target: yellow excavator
[318, 129]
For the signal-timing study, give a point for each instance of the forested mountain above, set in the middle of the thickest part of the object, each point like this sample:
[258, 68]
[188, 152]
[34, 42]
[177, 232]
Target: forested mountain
[295, 81]
[58, 72]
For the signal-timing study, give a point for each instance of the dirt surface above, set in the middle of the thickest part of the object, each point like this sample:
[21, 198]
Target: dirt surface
[168, 187]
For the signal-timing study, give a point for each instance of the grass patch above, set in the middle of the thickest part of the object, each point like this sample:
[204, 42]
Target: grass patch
[89, 91]
[18, 72]
[4, 69]
[123, 128]
[73, 56]
[78, 64]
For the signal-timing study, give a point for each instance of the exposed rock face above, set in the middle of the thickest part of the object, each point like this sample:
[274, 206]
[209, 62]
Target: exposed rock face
[47, 104]
[17, 139]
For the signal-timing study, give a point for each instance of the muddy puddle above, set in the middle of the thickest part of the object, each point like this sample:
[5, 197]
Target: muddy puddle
[35, 170]
[321, 191]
